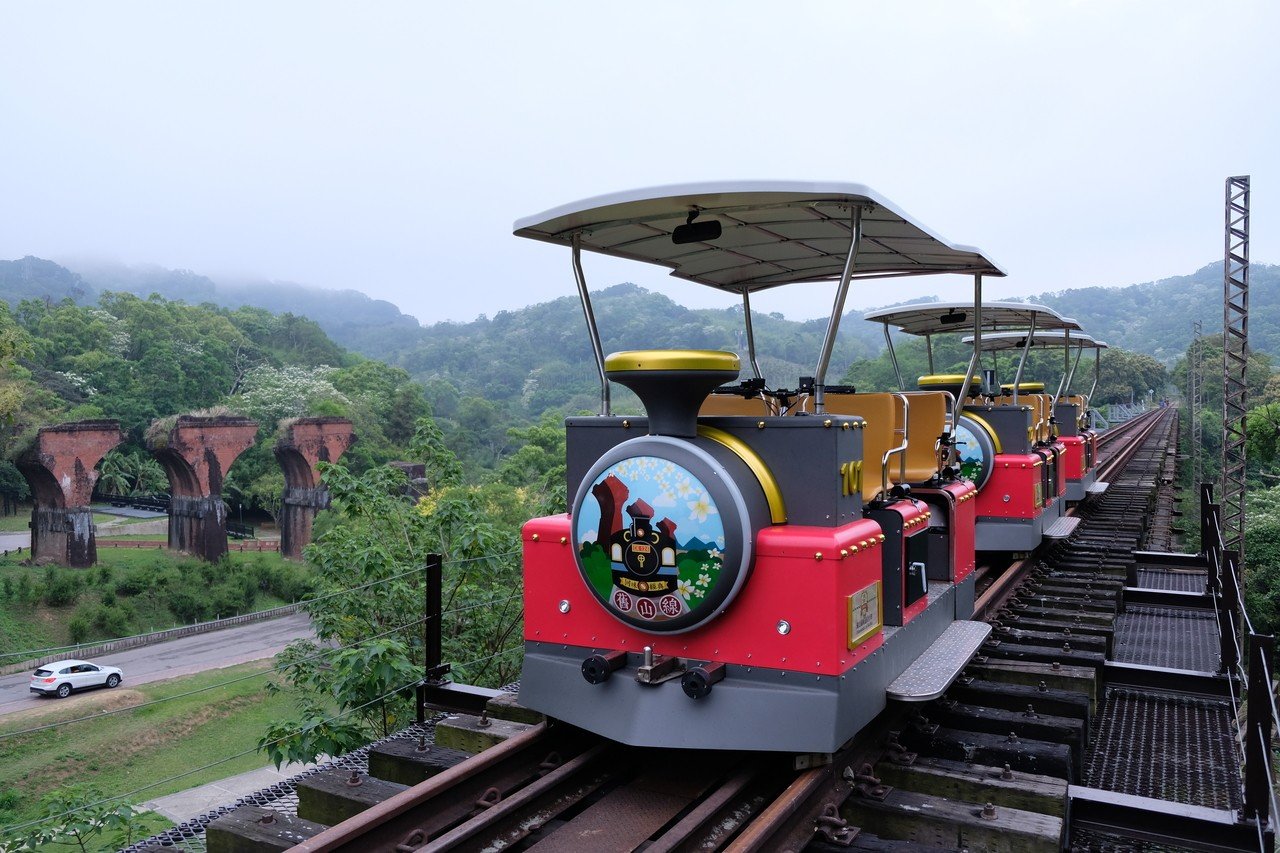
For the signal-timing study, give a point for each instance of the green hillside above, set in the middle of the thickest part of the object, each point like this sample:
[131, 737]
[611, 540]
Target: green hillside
[1155, 318]
[137, 360]
[536, 359]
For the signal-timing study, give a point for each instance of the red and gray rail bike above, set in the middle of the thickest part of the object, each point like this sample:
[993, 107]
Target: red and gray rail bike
[763, 568]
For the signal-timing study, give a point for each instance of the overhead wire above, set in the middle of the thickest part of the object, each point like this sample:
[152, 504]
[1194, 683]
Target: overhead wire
[273, 670]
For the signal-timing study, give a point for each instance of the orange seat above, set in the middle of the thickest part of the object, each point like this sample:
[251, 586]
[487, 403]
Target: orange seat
[926, 421]
[881, 414]
[1078, 401]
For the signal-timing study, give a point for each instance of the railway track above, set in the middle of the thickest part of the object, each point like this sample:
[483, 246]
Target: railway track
[985, 767]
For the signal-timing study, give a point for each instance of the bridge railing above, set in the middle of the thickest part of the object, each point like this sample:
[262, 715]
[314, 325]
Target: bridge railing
[1248, 661]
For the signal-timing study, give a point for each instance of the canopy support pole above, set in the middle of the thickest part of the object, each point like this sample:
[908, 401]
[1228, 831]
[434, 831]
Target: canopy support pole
[592, 329]
[1022, 362]
[837, 310]
[751, 336]
[977, 351]
[928, 345]
[893, 357]
[1097, 373]
[1064, 390]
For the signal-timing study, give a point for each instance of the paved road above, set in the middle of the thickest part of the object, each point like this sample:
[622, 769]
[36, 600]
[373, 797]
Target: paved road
[14, 541]
[183, 656]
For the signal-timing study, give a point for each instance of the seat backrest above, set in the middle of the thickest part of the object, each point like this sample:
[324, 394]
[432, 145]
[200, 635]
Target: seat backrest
[1039, 421]
[926, 420]
[1046, 409]
[730, 405]
[1078, 401]
[879, 433]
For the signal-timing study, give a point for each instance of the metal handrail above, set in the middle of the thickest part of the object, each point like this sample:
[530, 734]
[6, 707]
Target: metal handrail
[1253, 738]
[901, 450]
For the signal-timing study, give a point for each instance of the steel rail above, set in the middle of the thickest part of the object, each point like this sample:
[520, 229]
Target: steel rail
[353, 830]
[774, 811]
[1006, 583]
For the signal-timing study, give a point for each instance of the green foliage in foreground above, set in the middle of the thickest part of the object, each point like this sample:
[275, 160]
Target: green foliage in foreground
[370, 551]
[79, 819]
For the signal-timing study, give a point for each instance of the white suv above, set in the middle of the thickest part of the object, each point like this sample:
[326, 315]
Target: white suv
[60, 678]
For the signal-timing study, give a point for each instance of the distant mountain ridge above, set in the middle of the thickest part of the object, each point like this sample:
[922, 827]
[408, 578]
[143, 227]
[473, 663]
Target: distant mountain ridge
[539, 354]
[349, 317]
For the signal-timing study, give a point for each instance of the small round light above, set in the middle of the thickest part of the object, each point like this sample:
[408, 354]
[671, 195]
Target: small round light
[564, 605]
[784, 627]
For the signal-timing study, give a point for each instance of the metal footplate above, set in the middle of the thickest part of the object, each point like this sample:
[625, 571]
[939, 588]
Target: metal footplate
[1097, 488]
[1062, 528]
[932, 673]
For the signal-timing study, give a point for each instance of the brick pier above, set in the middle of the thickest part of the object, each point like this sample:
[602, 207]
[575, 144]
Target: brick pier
[306, 443]
[61, 468]
[196, 455]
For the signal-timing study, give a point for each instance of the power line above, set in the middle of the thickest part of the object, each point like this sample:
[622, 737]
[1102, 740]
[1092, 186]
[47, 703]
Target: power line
[507, 650]
[258, 748]
[275, 669]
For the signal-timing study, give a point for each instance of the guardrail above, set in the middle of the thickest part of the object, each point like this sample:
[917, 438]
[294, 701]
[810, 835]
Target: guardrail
[250, 545]
[99, 648]
[1253, 686]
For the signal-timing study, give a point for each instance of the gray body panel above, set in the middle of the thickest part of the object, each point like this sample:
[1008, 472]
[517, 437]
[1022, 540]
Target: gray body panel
[1067, 416]
[1009, 534]
[1077, 489]
[803, 455]
[1010, 424]
[964, 597]
[751, 709]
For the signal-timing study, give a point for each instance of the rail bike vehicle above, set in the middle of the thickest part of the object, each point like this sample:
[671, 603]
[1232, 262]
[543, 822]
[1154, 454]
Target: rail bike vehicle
[1005, 435]
[1072, 421]
[748, 567]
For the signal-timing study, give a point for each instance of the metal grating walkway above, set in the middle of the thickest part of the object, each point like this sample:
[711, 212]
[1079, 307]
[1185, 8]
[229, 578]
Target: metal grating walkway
[1158, 636]
[1178, 581]
[1165, 746]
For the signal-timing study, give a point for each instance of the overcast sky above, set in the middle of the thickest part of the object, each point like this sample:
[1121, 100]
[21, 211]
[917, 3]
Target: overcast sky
[388, 147]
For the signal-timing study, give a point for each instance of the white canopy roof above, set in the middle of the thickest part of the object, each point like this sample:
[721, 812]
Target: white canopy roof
[773, 232]
[1042, 339]
[934, 318]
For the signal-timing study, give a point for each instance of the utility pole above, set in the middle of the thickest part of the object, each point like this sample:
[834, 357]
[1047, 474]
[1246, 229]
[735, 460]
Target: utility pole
[1235, 358]
[1194, 382]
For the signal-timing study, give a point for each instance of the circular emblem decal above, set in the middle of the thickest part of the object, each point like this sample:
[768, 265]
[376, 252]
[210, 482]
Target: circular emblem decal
[650, 532]
[975, 450]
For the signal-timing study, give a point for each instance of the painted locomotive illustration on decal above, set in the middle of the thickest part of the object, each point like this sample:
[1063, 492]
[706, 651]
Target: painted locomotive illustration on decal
[642, 566]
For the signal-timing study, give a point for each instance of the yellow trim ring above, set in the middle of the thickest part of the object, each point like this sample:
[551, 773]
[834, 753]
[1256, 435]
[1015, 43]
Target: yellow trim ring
[671, 359]
[995, 439]
[772, 494]
[946, 379]
[1032, 387]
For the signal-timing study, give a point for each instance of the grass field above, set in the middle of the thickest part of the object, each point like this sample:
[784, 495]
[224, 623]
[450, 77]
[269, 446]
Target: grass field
[133, 750]
[19, 523]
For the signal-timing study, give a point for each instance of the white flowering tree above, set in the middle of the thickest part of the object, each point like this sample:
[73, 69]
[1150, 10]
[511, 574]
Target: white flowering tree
[270, 394]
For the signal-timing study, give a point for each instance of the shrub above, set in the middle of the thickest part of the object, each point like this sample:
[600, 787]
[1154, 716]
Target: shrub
[188, 607]
[25, 590]
[60, 588]
[112, 620]
[102, 575]
[292, 583]
[232, 597]
[6, 588]
[78, 628]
